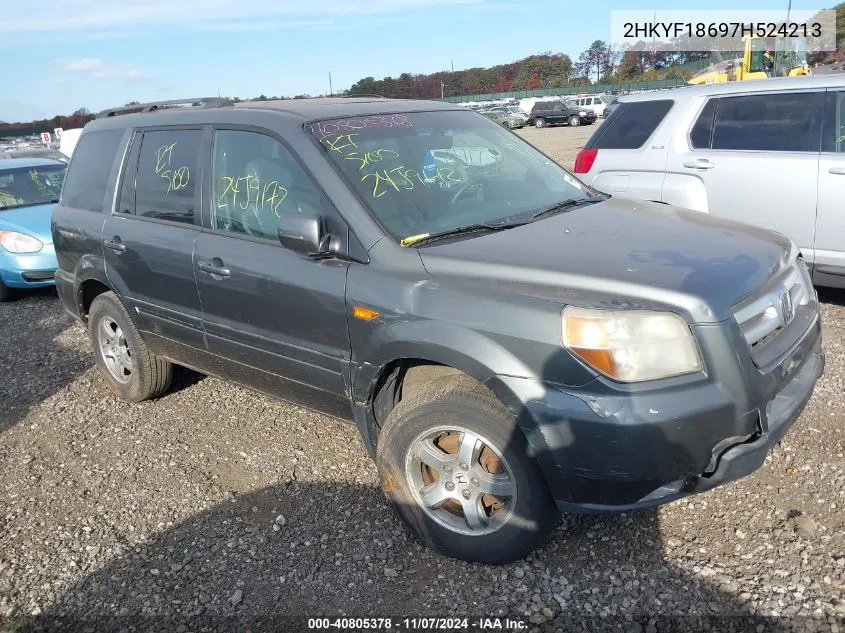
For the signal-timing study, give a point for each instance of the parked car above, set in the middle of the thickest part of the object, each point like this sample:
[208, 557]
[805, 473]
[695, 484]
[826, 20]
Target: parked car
[510, 121]
[769, 153]
[545, 113]
[29, 190]
[594, 103]
[508, 340]
[610, 107]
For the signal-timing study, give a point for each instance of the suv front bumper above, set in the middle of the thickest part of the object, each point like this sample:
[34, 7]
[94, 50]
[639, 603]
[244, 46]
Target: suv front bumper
[630, 451]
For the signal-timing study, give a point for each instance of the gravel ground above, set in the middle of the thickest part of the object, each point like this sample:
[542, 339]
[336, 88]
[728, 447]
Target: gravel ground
[214, 502]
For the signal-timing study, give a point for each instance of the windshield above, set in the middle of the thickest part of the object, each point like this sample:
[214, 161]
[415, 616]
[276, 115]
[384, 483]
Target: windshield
[28, 186]
[430, 172]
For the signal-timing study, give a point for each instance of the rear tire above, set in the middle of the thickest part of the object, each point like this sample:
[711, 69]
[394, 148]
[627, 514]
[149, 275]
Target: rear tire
[131, 371]
[476, 447]
[539, 122]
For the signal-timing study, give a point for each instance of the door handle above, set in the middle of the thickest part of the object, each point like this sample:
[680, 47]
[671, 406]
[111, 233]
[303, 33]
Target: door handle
[214, 267]
[115, 244]
[837, 171]
[700, 163]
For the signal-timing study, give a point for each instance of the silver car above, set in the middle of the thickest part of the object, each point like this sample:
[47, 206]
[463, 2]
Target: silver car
[769, 153]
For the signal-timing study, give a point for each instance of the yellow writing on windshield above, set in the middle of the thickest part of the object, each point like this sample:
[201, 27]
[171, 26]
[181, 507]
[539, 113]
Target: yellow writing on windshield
[35, 177]
[176, 178]
[400, 178]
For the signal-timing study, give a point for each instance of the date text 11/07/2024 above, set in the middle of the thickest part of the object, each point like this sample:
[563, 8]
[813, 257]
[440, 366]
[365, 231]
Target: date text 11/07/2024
[418, 624]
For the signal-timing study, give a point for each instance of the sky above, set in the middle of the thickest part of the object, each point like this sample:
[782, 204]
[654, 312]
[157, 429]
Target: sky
[60, 55]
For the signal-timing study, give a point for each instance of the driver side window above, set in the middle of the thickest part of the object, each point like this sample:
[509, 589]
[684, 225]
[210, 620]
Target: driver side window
[255, 180]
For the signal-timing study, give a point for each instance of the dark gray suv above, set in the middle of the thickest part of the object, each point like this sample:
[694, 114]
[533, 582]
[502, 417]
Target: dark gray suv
[509, 341]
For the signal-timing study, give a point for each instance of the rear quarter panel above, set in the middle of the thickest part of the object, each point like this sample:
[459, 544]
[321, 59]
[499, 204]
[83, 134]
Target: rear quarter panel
[636, 173]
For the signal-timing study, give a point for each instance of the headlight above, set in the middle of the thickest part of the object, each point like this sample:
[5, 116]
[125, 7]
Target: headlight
[15, 242]
[583, 113]
[631, 345]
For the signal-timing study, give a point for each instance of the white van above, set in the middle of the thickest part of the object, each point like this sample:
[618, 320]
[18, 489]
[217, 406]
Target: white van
[594, 102]
[769, 153]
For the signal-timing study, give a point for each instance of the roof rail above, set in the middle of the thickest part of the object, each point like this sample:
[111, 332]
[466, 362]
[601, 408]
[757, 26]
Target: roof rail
[201, 102]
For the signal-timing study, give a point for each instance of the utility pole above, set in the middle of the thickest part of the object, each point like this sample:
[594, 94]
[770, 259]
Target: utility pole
[331, 93]
[442, 86]
[453, 64]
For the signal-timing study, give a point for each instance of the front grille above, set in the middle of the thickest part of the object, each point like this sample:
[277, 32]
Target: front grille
[781, 309]
[45, 275]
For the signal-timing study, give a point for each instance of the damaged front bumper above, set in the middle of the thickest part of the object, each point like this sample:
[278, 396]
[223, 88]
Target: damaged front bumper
[631, 450]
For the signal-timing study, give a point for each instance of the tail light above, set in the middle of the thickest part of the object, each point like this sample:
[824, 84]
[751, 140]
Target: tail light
[585, 159]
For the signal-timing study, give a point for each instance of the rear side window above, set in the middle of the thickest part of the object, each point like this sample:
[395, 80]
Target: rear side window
[630, 125]
[785, 122]
[703, 129]
[88, 174]
[167, 175]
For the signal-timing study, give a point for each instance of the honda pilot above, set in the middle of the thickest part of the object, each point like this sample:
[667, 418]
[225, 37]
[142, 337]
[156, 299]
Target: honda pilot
[510, 342]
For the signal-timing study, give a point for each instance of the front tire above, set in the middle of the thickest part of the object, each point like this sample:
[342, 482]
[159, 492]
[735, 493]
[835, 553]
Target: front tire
[539, 122]
[457, 469]
[574, 121]
[130, 369]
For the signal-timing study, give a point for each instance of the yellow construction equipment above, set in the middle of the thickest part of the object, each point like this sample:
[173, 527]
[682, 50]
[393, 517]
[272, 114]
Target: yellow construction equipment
[763, 57]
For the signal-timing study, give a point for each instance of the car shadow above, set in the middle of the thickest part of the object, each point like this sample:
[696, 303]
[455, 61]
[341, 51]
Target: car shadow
[273, 557]
[47, 350]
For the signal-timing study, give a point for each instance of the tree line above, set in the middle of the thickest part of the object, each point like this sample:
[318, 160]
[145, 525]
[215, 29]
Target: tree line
[67, 122]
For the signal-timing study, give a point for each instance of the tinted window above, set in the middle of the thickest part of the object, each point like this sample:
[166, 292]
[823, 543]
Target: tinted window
[771, 122]
[703, 128]
[88, 173]
[168, 169]
[256, 180]
[833, 137]
[630, 125]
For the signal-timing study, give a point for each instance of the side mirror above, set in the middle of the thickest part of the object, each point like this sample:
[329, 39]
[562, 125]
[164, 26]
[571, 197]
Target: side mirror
[304, 233]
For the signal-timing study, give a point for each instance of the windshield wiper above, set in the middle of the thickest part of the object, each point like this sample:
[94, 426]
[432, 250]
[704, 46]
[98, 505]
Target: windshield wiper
[566, 205]
[426, 238]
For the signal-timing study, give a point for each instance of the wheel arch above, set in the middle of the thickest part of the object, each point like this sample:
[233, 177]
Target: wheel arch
[379, 385]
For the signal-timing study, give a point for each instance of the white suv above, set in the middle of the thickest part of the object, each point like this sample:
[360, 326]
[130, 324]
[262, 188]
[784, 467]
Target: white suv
[769, 153]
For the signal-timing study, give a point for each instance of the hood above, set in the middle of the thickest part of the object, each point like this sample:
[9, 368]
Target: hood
[34, 221]
[622, 252]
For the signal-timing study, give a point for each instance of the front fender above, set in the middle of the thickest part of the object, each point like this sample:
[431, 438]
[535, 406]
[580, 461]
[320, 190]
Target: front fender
[447, 344]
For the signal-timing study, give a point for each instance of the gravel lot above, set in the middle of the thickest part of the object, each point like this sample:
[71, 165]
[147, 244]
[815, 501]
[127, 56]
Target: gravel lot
[214, 502]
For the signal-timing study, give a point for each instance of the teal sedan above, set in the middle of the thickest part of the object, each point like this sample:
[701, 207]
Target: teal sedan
[29, 190]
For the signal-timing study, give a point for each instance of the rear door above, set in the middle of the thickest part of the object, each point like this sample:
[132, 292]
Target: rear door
[148, 241]
[757, 157]
[829, 252]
